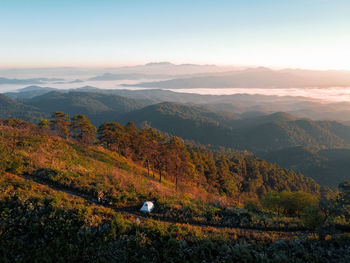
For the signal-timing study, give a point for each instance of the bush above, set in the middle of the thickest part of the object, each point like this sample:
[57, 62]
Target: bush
[288, 203]
[311, 217]
[15, 165]
[253, 205]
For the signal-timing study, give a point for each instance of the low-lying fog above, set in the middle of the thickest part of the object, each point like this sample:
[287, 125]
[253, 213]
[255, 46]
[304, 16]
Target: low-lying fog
[325, 94]
[325, 86]
[67, 85]
[335, 94]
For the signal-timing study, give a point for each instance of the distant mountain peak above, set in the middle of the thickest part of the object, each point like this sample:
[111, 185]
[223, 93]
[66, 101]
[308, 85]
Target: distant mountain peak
[86, 88]
[107, 74]
[34, 88]
[162, 63]
[282, 116]
[258, 69]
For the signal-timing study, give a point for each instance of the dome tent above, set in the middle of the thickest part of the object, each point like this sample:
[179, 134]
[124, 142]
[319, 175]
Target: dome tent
[147, 207]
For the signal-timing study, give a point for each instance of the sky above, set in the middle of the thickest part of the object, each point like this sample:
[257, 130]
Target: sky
[277, 33]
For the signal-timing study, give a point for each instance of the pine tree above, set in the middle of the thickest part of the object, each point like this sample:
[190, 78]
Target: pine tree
[112, 135]
[82, 129]
[60, 123]
[178, 160]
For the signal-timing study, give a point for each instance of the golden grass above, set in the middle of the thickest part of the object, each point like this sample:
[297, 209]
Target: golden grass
[94, 164]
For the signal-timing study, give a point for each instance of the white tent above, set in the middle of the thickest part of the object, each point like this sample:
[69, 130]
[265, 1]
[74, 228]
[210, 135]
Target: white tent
[147, 207]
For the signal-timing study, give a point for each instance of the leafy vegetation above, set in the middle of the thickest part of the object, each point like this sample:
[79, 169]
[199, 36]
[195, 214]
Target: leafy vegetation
[40, 224]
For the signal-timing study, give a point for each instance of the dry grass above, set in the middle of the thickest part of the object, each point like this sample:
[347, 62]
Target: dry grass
[94, 165]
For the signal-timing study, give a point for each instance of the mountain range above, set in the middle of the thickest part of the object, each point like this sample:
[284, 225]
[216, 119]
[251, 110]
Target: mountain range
[11, 108]
[300, 107]
[256, 134]
[28, 81]
[318, 149]
[257, 78]
[327, 167]
[97, 107]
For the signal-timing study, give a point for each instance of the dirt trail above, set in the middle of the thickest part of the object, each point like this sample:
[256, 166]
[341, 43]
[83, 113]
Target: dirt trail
[143, 216]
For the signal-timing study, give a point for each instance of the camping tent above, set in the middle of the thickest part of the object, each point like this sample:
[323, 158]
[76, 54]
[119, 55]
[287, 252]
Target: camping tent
[147, 207]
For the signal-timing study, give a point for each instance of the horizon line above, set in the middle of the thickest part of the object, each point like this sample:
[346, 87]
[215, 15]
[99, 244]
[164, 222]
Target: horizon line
[219, 65]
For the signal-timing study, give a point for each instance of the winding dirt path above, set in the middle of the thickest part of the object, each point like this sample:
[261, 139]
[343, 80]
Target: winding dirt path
[130, 211]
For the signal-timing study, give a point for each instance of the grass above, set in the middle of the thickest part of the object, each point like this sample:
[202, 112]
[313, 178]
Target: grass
[94, 168]
[26, 190]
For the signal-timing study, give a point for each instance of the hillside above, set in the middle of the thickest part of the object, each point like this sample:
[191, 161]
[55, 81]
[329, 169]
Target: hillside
[87, 164]
[274, 135]
[97, 107]
[327, 167]
[10, 108]
[253, 131]
[29, 92]
[257, 134]
[190, 122]
[41, 221]
[294, 158]
[203, 120]
[61, 194]
[302, 107]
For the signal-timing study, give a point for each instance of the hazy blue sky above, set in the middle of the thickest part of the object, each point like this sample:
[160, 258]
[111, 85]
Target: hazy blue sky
[291, 33]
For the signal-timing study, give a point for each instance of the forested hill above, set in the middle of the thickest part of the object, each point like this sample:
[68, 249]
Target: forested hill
[11, 108]
[219, 172]
[190, 122]
[29, 92]
[255, 132]
[327, 167]
[302, 107]
[198, 123]
[96, 106]
[263, 133]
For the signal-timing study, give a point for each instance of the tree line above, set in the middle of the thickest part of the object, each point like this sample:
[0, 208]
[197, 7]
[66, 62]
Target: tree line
[221, 171]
